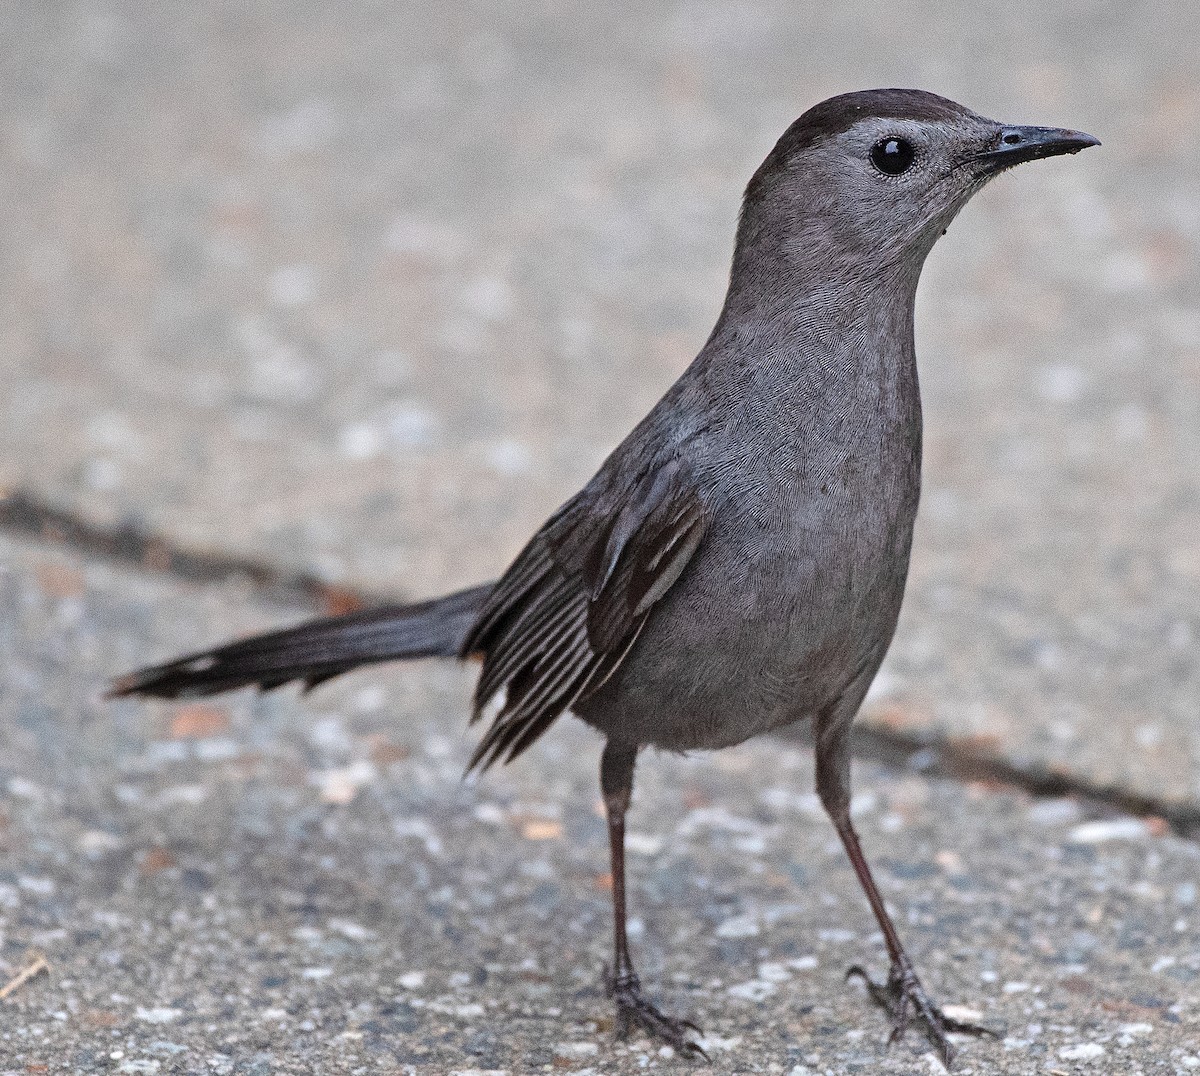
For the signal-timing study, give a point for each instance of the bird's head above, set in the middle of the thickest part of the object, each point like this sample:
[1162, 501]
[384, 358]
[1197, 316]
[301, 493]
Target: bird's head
[869, 180]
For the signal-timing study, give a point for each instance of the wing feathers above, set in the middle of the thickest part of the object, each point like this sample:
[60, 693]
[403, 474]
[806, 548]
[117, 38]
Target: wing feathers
[562, 619]
[531, 632]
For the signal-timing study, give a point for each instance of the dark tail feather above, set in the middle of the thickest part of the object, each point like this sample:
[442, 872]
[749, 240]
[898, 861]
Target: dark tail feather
[315, 651]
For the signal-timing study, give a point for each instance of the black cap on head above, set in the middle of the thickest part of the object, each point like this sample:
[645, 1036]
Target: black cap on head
[839, 113]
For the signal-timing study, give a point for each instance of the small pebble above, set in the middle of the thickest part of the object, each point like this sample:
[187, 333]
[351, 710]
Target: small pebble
[1117, 829]
[1054, 812]
[644, 844]
[350, 930]
[963, 1013]
[158, 1016]
[740, 926]
[716, 1042]
[340, 786]
[773, 973]
[577, 1049]
[754, 990]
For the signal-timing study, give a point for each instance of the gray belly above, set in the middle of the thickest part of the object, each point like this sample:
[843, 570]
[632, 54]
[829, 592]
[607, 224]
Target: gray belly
[783, 612]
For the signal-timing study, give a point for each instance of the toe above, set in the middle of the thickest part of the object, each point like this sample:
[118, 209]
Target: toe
[961, 1027]
[904, 1000]
[633, 1008]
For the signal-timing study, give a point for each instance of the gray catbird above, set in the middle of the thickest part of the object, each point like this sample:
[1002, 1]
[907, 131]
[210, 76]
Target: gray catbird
[738, 562]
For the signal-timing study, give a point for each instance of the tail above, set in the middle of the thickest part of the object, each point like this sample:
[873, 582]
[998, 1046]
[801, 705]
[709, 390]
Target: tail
[318, 650]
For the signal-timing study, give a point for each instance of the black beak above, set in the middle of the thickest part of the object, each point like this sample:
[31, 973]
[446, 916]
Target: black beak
[1016, 145]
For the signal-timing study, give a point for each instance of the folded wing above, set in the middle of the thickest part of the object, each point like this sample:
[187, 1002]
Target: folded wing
[566, 613]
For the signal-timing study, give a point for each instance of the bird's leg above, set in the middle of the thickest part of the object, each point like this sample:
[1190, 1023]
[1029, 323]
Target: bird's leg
[902, 996]
[633, 1008]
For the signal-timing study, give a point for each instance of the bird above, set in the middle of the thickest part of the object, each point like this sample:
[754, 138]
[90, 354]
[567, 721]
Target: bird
[737, 564]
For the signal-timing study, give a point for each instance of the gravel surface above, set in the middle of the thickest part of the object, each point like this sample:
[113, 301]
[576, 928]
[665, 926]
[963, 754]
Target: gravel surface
[268, 884]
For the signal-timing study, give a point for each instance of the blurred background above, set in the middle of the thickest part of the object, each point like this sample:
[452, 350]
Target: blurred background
[365, 290]
[368, 289]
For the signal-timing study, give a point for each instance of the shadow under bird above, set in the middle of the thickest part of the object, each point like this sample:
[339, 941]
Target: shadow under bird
[738, 562]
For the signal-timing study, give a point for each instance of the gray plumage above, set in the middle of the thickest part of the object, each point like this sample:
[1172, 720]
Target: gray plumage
[738, 562]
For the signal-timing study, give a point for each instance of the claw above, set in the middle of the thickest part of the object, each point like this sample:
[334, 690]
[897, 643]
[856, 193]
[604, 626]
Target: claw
[633, 1008]
[903, 998]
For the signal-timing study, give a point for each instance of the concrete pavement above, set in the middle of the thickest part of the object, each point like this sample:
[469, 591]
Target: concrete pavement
[269, 885]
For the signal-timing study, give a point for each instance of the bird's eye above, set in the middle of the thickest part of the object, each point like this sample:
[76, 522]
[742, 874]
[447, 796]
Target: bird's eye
[893, 156]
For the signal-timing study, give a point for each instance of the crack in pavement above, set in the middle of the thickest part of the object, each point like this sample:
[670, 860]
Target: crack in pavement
[26, 515]
[936, 756]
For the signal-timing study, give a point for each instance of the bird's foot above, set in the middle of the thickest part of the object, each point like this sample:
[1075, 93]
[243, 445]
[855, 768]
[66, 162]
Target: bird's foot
[634, 1009]
[904, 999]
